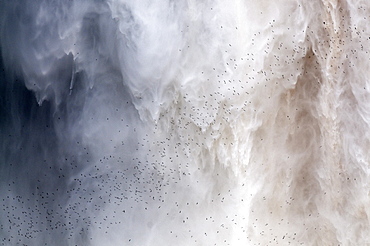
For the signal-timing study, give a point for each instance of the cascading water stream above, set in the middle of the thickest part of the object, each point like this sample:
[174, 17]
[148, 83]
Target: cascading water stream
[184, 122]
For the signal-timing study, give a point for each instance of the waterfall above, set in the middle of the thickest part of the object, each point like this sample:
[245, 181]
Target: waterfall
[167, 122]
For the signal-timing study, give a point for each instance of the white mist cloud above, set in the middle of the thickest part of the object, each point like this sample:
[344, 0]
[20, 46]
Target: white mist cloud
[184, 123]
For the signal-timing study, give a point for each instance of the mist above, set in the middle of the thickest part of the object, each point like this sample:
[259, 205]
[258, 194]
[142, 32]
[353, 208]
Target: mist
[184, 122]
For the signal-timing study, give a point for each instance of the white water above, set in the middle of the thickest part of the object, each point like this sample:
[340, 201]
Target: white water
[185, 122]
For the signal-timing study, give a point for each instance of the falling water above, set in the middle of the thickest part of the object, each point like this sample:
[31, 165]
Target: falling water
[184, 122]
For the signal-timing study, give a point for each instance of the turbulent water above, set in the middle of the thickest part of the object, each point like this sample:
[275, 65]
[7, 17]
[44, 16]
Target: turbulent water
[126, 122]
